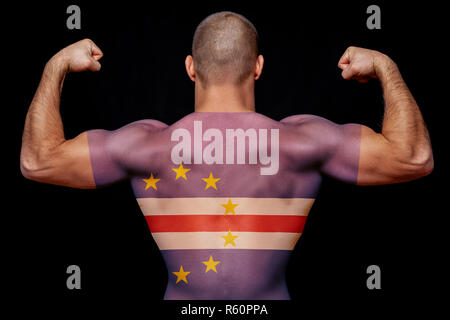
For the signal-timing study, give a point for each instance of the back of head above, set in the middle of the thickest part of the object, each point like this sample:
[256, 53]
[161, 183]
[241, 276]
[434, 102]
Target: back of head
[225, 49]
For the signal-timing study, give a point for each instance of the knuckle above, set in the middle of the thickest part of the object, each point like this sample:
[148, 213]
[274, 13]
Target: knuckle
[87, 41]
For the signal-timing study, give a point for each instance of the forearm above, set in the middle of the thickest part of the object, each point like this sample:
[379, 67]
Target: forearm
[403, 124]
[43, 129]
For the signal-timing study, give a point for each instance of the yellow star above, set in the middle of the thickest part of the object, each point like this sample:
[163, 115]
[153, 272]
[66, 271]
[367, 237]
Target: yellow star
[181, 275]
[211, 264]
[229, 238]
[229, 207]
[210, 181]
[181, 172]
[151, 182]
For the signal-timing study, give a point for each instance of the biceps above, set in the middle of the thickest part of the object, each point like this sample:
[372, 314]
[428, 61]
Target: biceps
[69, 165]
[379, 162]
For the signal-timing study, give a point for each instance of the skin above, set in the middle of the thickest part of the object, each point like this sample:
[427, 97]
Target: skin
[400, 152]
[235, 99]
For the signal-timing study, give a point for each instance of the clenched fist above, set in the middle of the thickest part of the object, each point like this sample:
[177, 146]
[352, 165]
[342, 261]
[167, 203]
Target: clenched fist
[363, 64]
[80, 56]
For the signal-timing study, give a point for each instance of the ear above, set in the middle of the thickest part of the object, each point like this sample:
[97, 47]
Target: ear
[258, 67]
[189, 63]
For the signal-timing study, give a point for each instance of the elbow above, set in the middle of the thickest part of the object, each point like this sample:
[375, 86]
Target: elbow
[28, 168]
[427, 166]
[32, 168]
[419, 165]
[424, 162]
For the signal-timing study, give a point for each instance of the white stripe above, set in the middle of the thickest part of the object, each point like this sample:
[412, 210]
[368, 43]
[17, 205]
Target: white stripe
[214, 240]
[182, 206]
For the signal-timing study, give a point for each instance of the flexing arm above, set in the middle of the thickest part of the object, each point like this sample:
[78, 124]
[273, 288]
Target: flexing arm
[402, 151]
[46, 155]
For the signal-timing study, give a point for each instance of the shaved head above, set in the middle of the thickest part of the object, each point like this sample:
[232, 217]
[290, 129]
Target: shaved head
[225, 49]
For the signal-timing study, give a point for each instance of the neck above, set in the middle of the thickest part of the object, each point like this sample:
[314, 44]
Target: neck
[225, 98]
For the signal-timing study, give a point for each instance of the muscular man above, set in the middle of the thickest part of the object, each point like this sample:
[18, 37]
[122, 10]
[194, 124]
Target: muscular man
[226, 190]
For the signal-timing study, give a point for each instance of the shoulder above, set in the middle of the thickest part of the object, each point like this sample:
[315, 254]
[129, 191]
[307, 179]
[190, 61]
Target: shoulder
[320, 133]
[318, 125]
[132, 135]
[145, 125]
[309, 126]
[138, 129]
[121, 147]
[306, 119]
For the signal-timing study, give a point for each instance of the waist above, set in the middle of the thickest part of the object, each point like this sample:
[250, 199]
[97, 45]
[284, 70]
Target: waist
[224, 274]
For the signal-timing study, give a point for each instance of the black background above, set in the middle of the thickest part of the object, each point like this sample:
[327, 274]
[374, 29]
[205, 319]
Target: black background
[397, 227]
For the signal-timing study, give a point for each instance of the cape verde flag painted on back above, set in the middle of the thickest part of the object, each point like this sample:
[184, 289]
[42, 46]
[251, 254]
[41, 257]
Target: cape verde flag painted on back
[226, 195]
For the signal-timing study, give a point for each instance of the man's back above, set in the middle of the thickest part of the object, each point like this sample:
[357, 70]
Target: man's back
[226, 213]
[226, 195]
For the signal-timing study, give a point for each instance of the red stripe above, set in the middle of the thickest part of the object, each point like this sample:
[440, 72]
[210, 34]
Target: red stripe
[252, 223]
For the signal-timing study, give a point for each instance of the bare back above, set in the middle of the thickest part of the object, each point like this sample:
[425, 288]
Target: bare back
[226, 195]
